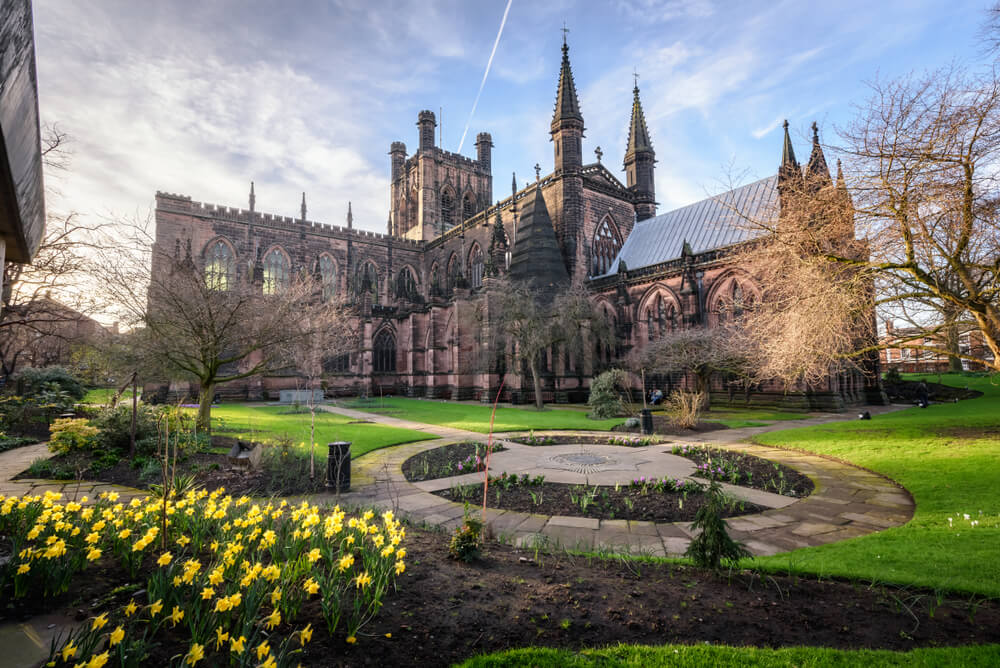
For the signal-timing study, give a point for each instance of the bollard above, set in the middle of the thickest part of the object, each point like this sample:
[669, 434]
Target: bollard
[338, 466]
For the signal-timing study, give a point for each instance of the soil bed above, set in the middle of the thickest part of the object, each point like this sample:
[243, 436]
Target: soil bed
[745, 470]
[446, 461]
[443, 611]
[661, 425]
[602, 502]
[589, 439]
[908, 391]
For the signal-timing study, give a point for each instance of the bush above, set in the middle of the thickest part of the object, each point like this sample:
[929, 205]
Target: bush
[30, 382]
[72, 434]
[606, 393]
[713, 545]
[45, 468]
[465, 541]
[11, 442]
[892, 376]
[684, 408]
[115, 425]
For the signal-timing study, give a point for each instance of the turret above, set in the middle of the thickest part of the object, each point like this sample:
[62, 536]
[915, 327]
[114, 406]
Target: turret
[639, 161]
[789, 173]
[567, 121]
[817, 174]
[426, 125]
[484, 153]
[397, 151]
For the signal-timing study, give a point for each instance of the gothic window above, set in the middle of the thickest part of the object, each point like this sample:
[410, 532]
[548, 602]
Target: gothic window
[447, 210]
[476, 266]
[454, 273]
[328, 276]
[406, 284]
[605, 248]
[435, 280]
[219, 265]
[733, 301]
[468, 207]
[661, 318]
[384, 352]
[337, 363]
[276, 272]
[367, 281]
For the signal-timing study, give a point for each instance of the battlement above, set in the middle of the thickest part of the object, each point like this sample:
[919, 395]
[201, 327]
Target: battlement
[456, 159]
[183, 204]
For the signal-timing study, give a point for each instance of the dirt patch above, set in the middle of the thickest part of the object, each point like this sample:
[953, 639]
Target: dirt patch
[443, 611]
[589, 439]
[745, 470]
[625, 502]
[971, 433]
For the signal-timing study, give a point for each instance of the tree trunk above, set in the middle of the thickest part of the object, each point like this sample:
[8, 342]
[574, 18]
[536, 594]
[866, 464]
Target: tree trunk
[537, 380]
[704, 385]
[952, 346]
[204, 422]
[135, 408]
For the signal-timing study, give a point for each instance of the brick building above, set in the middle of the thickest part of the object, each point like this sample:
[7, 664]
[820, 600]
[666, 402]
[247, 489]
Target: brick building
[420, 291]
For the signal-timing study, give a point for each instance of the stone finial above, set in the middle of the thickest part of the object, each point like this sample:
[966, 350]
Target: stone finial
[303, 206]
[253, 197]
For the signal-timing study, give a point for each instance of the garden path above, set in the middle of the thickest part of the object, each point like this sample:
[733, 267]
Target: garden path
[14, 461]
[847, 502]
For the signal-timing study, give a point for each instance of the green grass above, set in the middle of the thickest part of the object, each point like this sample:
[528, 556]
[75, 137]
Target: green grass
[102, 395]
[711, 656]
[477, 417]
[948, 457]
[735, 418]
[267, 423]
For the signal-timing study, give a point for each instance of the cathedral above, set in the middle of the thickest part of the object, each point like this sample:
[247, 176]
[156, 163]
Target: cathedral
[414, 291]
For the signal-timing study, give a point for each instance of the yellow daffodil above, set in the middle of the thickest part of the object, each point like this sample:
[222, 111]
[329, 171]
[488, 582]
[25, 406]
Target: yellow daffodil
[99, 622]
[116, 636]
[177, 615]
[237, 644]
[345, 563]
[275, 596]
[207, 593]
[220, 637]
[98, 660]
[311, 586]
[400, 567]
[306, 634]
[124, 533]
[388, 635]
[69, 651]
[222, 605]
[164, 559]
[93, 554]
[155, 608]
[263, 650]
[351, 640]
[273, 619]
[215, 577]
[130, 608]
[269, 663]
[195, 654]
[363, 580]
[183, 540]
[23, 568]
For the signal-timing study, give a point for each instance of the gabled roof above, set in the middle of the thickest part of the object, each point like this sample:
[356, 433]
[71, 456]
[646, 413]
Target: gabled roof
[712, 223]
[536, 257]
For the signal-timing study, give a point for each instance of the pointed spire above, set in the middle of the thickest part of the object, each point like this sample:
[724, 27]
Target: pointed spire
[350, 217]
[536, 257]
[638, 135]
[513, 183]
[303, 206]
[567, 103]
[787, 152]
[817, 172]
[253, 198]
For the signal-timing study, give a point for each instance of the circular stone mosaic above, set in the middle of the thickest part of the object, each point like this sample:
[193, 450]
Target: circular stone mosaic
[583, 462]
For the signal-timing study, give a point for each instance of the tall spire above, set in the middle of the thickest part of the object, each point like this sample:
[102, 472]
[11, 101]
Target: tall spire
[787, 152]
[817, 172]
[513, 183]
[567, 104]
[638, 135]
[536, 258]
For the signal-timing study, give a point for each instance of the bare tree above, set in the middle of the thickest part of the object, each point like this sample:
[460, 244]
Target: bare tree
[538, 322]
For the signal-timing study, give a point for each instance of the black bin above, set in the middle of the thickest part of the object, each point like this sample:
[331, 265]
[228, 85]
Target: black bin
[338, 466]
[646, 421]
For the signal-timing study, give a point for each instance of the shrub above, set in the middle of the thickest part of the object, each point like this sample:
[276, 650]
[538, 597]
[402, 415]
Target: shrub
[684, 408]
[606, 393]
[892, 376]
[11, 442]
[465, 541]
[45, 468]
[72, 434]
[30, 382]
[115, 425]
[714, 545]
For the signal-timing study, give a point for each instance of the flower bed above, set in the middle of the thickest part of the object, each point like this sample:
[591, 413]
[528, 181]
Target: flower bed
[447, 461]
[226, 579]
[589, 439]
[738, 468]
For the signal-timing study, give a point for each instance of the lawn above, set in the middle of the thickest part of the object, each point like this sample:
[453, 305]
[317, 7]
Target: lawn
[272, 422]
[474, 417]
[736, 417]
[948, 457]
[102, 395]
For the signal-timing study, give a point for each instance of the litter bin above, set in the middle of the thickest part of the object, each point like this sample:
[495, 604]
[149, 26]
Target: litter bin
[646, 421]
[338, 466]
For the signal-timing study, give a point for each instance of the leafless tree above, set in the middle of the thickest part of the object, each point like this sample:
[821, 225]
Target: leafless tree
[538, 322]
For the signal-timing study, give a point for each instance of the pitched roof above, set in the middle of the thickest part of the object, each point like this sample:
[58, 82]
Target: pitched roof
[536, 257]
[706, 225]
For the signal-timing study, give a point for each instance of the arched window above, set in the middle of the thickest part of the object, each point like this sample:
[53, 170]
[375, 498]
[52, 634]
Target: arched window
[605, 248]
[435, 281]
[367, 281]
[661, 317]
[406, 284]
[447, 210]
[384, 352]
[468, 206]
[476, 266]
[328, 276]
[219, 265]
[454, 273]
[275, 272]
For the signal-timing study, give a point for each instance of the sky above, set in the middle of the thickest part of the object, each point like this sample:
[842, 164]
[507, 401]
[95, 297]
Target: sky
[199, 98]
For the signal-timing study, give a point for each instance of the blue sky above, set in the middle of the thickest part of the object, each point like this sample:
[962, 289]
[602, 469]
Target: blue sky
[201, 97]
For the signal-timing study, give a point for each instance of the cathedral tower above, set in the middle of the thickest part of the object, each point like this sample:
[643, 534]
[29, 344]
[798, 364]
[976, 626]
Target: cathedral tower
[639, 161]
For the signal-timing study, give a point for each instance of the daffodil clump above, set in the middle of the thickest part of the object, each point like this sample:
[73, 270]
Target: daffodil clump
[232, 580]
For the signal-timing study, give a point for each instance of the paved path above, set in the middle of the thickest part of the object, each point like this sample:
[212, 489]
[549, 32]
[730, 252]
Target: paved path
[847, 502]
[15, 461]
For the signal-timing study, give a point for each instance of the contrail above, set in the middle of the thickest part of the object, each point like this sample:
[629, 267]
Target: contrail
[482, 84]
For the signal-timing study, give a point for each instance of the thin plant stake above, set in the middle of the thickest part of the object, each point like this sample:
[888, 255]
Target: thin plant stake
[489, 451]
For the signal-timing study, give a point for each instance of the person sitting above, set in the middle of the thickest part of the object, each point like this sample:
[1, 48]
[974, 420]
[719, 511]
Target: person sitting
[655, 397]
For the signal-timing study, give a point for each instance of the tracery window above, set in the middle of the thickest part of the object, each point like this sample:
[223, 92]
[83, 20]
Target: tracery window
[384, 352]
[406, 284]
[447, 210]
[661, 318]
[454, 272]
[328, 276]
[276, 272]
[367, 281]
[476, 265]
[468, 207]
[605, 248]
[435, 280]
[219, 265]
